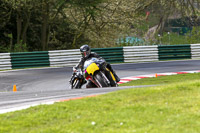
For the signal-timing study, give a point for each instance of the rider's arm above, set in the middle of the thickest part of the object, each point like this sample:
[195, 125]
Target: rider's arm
[93, 54]
[99, 57]
[80, 64]
[82, 60]
[96, 55]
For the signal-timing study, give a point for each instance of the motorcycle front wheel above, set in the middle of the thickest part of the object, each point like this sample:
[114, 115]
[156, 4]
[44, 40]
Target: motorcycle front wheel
[76, 84]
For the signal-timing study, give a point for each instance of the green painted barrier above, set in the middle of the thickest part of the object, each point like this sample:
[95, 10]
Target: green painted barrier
[111, 55]
[30, 59]
[173, 52]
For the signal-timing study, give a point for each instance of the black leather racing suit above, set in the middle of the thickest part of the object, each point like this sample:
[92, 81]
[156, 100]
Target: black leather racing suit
[82, 60]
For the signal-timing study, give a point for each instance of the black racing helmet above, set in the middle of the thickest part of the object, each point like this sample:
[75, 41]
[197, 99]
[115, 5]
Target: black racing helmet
[85, 51]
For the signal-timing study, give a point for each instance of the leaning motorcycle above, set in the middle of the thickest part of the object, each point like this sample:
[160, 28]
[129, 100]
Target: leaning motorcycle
[95, 70]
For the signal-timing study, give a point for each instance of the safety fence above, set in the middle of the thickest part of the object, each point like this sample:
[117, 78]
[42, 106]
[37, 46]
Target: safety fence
[195, 50]
[111, 55]
[173, 52]
[64, 57]
[71, 57]
[5, 61]
[140, 53]
[29, 59]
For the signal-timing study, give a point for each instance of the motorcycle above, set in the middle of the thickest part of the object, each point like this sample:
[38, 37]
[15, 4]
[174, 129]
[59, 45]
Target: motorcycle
[95, 71]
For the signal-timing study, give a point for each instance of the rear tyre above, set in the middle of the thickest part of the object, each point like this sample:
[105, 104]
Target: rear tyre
[113, 83]
[100, 80]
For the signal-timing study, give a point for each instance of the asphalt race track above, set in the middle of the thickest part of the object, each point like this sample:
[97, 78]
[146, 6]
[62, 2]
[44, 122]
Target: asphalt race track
[51, 84]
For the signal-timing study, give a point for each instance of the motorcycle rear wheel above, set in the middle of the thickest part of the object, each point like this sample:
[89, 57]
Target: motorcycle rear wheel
[100, 80]
[113, 83]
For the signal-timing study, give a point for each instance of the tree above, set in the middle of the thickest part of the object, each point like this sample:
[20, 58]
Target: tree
[64, 24]
[5, 14]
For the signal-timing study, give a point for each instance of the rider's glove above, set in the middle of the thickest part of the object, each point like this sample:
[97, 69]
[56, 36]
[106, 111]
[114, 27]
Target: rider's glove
[74, 69]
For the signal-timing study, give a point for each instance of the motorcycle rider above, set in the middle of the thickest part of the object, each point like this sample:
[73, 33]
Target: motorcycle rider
[86, 54]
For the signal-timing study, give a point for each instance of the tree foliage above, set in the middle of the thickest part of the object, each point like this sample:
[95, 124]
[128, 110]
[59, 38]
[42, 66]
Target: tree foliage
[27, 25]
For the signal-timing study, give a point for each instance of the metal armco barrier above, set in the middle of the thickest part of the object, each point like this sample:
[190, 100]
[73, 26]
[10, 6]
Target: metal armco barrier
[72, 57]
[29, 59]
[195, 49]
[174, 52]
[111, 55]
[140, 53]
[64, 57]
[5, 61]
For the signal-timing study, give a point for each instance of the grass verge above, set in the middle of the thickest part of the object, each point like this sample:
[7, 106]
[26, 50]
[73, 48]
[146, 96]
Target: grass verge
[162, 80]
[173, 108]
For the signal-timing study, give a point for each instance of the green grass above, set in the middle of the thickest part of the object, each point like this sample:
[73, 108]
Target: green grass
[173, 39]
[172, 108]
[164, 79]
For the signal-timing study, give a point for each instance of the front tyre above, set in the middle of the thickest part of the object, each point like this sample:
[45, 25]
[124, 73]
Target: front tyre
[76, 84]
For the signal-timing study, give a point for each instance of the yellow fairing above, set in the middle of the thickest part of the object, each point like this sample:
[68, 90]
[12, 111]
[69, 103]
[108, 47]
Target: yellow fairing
[113, 77]
[92, 68]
